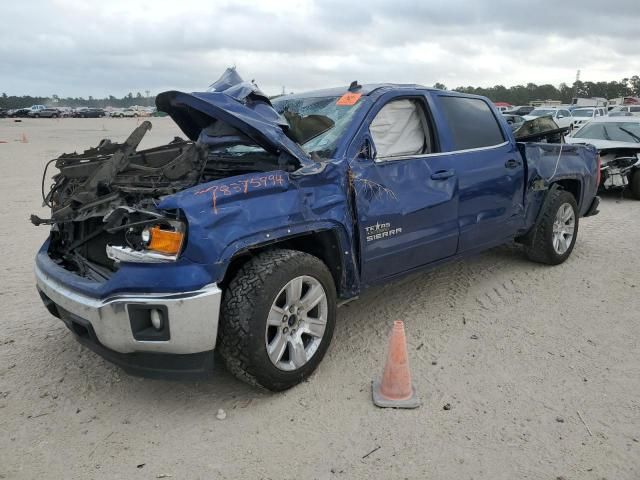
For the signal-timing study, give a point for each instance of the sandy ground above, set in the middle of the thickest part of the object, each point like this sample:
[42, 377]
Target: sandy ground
[516, 349]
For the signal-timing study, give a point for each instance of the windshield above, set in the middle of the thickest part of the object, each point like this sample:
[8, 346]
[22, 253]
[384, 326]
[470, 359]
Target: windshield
[583, 112]
[541, 112]
[336, 119]
[614, 131]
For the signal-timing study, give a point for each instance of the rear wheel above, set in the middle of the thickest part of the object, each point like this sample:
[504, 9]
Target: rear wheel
[554, 236]
[278, 315]
[634, 184]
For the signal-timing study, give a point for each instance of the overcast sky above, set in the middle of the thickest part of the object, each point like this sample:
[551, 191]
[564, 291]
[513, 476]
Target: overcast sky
[82, 48]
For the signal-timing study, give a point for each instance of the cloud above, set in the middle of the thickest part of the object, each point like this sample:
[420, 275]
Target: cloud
[73, 47]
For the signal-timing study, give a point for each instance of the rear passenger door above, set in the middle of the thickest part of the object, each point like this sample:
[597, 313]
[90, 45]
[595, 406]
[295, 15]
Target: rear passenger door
[405, 192]
[490, 172]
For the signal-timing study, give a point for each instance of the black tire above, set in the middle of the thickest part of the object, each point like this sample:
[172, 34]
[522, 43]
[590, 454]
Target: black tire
[55, 115]
[37, 115]
[634, 184]
[245, 305]
[540, 249]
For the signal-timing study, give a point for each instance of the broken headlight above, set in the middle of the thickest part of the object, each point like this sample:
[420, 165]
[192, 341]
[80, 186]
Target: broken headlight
[154, 243]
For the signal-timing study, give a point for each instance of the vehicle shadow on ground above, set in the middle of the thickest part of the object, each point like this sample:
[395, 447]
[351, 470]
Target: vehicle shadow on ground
[75, 365]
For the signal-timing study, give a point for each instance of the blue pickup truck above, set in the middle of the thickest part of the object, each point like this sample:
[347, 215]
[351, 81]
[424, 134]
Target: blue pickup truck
[245, 237]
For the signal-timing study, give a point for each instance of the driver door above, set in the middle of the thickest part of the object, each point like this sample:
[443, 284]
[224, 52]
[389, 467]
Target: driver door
[406, 194]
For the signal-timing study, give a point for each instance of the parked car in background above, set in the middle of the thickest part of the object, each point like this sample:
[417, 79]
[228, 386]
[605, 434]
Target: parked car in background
[19, 113]
[245, 237]
[4, 112]
[127, 112]
[37, 108]
[586, 114]
[618, 142]
[503, 106]
[65, 111]
[620, 114]
[632, 109]
[521, 110]
[514, 121]
[89, 112]
[562, 116]
[47, 112]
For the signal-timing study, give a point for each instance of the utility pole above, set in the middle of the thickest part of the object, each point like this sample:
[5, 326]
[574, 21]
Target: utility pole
[575, 86]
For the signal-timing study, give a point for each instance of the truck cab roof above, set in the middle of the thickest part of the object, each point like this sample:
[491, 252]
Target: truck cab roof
[366, 89]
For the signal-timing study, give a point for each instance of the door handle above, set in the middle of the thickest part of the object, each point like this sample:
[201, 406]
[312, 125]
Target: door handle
[511, 163]
[442, 174]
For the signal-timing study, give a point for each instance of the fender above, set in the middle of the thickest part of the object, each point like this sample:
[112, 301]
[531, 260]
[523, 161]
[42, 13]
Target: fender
[229, 216]
[529, 237]
[349, 284]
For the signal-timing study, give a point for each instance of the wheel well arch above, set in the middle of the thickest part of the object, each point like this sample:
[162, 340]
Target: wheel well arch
[573, 186]
[323, 244]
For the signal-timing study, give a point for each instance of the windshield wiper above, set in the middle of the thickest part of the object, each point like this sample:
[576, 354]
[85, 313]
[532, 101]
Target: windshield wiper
[606, 134]
[631, 134]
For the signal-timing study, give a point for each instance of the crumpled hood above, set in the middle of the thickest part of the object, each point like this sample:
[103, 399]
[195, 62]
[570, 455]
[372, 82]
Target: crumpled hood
[236, 104]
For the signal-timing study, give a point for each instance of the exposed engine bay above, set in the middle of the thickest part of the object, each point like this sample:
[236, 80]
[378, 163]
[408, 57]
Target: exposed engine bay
[617, 166]
[103, 200]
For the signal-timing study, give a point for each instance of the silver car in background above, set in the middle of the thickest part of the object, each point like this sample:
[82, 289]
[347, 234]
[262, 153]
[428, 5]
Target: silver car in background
[618, 142]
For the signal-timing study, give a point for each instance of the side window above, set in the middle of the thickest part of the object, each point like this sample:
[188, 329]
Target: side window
[564, 113]
[471, 122]
[634, 109]
[401, 129]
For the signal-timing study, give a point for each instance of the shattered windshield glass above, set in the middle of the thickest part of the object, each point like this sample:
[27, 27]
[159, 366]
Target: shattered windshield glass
[327, 119]
[617, 132]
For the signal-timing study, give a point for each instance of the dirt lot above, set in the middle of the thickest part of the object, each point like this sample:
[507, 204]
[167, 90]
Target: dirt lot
[516, 349]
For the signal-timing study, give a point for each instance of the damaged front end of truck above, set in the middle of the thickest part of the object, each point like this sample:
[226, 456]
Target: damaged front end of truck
[114, 204]
[103, 203]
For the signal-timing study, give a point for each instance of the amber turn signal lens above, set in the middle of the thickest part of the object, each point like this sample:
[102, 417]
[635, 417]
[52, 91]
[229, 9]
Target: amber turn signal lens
[165, 241]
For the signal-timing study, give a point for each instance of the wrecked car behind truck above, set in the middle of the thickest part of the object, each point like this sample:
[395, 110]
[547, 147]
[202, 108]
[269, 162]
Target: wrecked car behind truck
[245, 236]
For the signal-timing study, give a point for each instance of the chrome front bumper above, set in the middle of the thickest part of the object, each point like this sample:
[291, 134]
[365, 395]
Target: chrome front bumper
[192, 316]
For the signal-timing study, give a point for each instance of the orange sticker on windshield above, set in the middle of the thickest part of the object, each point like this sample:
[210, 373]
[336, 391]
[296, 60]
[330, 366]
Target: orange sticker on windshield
[348, 99]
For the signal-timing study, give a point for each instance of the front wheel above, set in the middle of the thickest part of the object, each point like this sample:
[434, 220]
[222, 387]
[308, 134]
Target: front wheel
[278, 316]
[554, 236]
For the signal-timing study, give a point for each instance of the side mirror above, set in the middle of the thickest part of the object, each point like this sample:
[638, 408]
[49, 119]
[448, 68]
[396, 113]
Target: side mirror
[560, 116]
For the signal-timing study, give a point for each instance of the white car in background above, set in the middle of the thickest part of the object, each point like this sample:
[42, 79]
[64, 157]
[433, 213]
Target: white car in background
[127, 112]
[617, 140]
[562, 116]
[583, 115]
[632, 109]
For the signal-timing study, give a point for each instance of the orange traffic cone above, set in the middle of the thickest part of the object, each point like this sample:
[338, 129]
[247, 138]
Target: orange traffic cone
[396, 390]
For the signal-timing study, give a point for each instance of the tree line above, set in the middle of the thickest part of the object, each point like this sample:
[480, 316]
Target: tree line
[523, 94]
[515, 95]
[24, 101]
